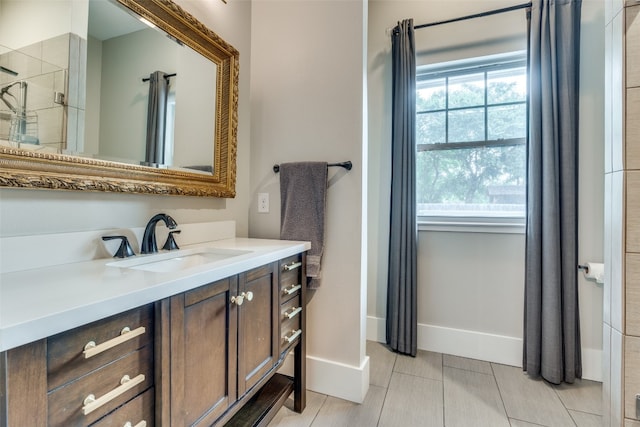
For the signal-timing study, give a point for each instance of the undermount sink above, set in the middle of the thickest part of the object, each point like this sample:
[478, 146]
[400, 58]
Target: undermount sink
[178, 260]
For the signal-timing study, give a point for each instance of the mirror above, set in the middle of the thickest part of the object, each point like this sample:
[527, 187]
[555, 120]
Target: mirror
[122, 52]
[106, 150]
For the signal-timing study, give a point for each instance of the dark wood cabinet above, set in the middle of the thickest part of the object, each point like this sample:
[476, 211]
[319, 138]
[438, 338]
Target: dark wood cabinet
[224, 341]
[202, 354]
[82, 377]
[293, 322]
[264, 400]
[257, 325]
[205, 357]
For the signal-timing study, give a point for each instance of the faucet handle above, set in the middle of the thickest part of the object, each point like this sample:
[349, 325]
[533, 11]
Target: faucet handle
[171, 244]
[124, 250]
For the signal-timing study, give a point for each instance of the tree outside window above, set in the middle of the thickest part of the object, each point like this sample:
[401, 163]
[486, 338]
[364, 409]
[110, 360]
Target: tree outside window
[471, 132]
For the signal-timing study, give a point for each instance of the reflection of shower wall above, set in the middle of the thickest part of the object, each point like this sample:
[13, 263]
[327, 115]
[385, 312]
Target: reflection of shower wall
[45, 66]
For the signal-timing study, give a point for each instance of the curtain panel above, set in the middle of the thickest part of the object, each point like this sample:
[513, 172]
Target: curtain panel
[551, 320]
[402, 323]
[156, 117]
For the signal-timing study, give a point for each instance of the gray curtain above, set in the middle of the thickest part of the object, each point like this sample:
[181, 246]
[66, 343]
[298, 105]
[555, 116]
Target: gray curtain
[156, 117]
[401, 287]
[552, 322]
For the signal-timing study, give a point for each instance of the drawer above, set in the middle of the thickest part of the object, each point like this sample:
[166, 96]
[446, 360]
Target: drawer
[134, 412]
[290, 332]
[290, 277]
[289, 290]
[66, 403]
[291, 266]
[65, 352]
[290, 262]
[289, 310]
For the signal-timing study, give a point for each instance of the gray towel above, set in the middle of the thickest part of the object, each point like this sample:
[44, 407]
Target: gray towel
[303, 193]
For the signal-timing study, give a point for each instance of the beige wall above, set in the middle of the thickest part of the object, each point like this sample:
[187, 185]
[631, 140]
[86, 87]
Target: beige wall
[307, 83]
[24, 212]
[470, 285]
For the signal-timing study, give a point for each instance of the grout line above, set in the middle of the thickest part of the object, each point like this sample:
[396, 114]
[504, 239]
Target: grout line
[319, 409]
[554, 387]
[584, 412]
[468, 370]
[386, 392]
[525, 421]
[444, 404]
[384, 401]
[506, 413]
[571, 416]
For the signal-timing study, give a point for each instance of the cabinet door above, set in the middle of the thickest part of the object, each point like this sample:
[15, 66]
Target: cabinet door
[203, 353]
[258, 328]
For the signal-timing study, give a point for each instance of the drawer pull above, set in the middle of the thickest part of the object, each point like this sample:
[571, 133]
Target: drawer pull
[291, 289]
[292, 313]
[292, 336]
[91, 403]
[142, 423]
[91, 349]
[292, 266]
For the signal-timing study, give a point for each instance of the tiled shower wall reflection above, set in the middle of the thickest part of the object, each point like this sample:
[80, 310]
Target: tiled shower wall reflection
[45, 66]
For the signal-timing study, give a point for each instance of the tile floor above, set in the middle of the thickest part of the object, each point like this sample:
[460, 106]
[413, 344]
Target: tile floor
[442, 390]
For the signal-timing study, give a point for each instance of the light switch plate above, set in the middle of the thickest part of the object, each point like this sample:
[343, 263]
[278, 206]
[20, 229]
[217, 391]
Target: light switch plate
[263, 202]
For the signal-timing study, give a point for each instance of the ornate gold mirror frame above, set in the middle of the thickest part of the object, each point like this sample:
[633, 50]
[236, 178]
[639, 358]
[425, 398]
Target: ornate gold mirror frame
[29, 169]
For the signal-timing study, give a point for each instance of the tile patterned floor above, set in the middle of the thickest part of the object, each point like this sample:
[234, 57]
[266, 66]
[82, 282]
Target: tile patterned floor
[439, 390]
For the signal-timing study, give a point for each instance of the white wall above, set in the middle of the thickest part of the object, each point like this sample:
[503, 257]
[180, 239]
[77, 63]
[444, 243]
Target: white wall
[25, 22]
[307, 81]
[92, 106]
[124, 97]
[25, 212]
[118, 65]
[470, 286]
[196, 78]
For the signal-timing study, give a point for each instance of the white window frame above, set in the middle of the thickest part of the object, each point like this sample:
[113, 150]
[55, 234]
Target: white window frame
[459, 222]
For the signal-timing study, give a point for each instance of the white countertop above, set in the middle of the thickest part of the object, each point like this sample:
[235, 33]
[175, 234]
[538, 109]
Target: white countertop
[41, 302]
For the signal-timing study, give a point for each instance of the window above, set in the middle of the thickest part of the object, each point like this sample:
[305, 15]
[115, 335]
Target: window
[471, 130]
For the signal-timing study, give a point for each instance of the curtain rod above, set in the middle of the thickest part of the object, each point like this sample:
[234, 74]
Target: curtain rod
[477, 15]
[166, 76]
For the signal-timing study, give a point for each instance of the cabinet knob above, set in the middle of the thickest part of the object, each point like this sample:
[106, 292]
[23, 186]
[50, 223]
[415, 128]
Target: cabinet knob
[239, 299]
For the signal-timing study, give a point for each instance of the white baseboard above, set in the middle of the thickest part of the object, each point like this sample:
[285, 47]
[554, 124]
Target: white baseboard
[592, 364]
[333, 378]
[337, 379]
[479, 345]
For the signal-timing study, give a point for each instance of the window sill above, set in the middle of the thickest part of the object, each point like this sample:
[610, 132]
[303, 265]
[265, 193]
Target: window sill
[473, 225]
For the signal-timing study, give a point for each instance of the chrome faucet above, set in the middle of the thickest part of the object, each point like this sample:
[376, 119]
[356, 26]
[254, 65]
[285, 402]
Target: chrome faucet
[149, 244]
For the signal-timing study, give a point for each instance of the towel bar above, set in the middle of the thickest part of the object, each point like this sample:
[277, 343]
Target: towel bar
[347, 165]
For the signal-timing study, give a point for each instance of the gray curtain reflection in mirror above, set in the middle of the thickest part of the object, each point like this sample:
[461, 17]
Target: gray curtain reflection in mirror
[157, 117]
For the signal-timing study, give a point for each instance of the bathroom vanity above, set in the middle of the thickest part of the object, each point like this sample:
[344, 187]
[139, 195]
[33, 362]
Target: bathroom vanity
[135, 343]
